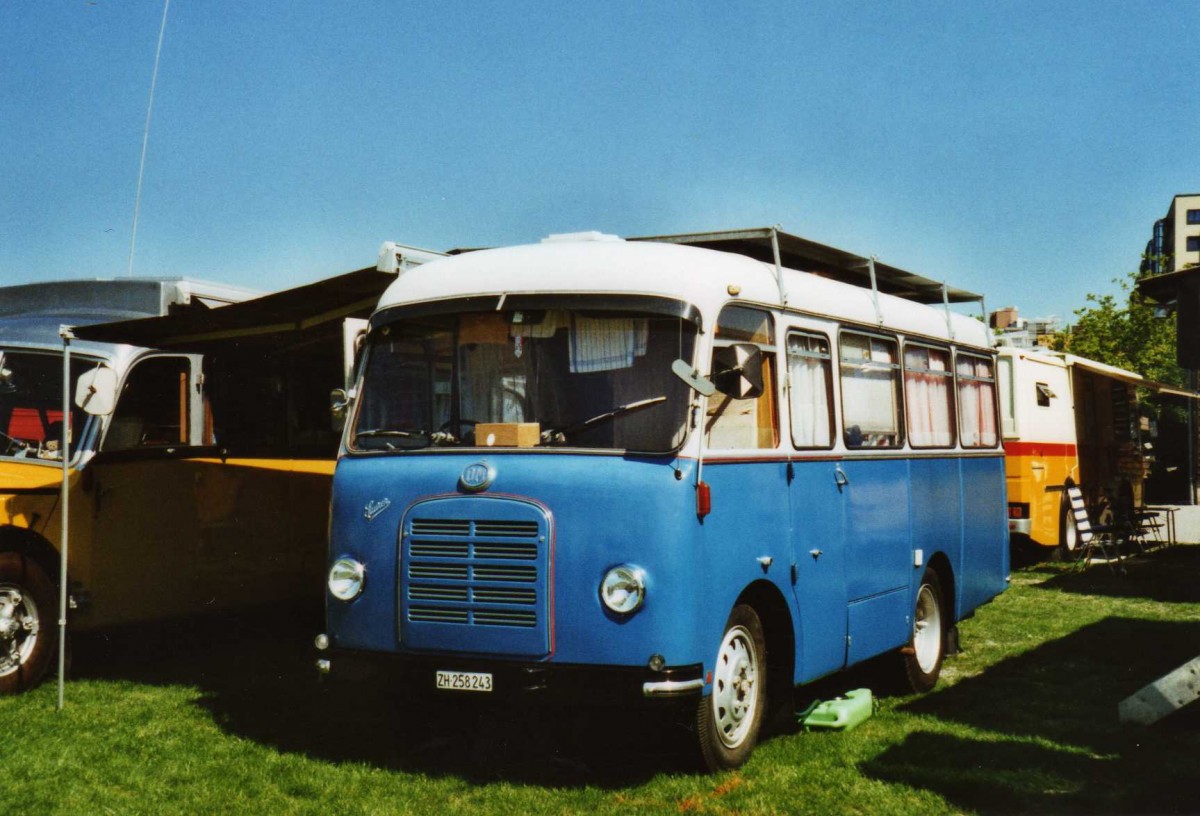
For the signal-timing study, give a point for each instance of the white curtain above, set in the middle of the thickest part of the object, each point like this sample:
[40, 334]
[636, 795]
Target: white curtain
[808, 364]
[977, 401]
[927, 388]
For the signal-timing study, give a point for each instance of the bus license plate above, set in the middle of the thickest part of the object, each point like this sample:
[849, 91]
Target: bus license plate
[464, 681]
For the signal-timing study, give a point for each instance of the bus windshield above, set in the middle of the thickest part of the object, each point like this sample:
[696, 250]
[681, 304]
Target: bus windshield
[31, 404]
[546, 378]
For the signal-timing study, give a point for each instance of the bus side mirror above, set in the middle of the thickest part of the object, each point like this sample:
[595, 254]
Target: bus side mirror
[737, 371]
[96, 391]
[339, 407]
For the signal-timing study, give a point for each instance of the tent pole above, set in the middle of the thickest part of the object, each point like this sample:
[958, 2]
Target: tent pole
[65, 450]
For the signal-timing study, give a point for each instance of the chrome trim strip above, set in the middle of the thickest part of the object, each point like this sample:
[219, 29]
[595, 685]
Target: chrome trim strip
[667, 687]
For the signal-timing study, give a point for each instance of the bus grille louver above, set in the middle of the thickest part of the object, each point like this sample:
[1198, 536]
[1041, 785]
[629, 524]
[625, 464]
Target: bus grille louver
[462, 572]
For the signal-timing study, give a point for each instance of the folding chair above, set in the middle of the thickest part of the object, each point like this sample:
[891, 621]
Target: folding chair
[1091, 538]
[1147, 526]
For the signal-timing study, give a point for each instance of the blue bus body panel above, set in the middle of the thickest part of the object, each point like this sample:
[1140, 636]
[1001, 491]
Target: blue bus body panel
[818, 507]
[601, 511]
[878, 555]
[984, 571]
[513, 573]
[749, 521]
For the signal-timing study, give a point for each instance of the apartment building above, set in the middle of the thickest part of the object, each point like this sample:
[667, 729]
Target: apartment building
[1175, 242]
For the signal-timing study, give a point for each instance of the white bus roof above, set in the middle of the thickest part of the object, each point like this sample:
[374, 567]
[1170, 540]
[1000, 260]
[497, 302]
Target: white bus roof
[591, 263]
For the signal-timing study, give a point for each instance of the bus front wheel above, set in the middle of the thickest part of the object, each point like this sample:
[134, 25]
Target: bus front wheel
[921, 660]
[728, 719]
[27, 637]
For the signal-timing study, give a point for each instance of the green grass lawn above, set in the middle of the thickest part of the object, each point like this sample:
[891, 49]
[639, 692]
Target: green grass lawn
[226, 715]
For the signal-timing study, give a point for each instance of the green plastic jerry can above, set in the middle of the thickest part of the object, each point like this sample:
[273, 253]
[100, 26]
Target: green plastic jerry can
[840, 714]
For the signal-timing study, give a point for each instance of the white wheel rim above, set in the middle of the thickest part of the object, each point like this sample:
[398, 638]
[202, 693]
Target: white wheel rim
[1070, 535]
[927, 630]
[18, 628]
[735, 687]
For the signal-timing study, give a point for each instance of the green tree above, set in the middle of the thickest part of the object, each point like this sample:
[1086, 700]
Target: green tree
[1123, 331]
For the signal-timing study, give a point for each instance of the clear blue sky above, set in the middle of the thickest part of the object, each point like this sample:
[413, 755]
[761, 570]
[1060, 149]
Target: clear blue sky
[1019, 149]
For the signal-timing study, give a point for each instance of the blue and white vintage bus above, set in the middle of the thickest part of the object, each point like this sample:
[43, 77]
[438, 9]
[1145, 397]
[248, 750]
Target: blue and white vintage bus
[596, 469]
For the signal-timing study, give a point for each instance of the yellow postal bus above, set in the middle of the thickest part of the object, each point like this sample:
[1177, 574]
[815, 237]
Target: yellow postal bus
[1066, 420]
[203, 484]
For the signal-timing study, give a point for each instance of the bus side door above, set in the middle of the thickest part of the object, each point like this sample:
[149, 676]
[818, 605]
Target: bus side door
[878, 539]
[144, 523]
[817, 498]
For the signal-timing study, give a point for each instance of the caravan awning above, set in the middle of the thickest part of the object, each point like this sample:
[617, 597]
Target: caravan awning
[809, 256]
[267, 319]
[1112, 372]
[1105, 370]
[282, 317]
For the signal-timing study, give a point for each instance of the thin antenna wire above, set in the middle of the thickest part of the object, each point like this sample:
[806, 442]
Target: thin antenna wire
[137, 201]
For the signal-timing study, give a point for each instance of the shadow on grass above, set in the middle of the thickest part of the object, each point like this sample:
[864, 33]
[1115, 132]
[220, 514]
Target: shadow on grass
[1170, 575]
[1062, 748]
[1026, 777]
[257, 679]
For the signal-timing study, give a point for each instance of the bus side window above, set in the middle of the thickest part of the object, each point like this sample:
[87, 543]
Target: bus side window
[870, 373]
[928, 396]
[1008, 400]
[1044, 395]
[152, 410]
[751, 423]
[976, 401]
[810, 393]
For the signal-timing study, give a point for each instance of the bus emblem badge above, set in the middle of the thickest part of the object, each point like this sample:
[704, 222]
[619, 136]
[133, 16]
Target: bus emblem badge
[374, 508]
[476, 477]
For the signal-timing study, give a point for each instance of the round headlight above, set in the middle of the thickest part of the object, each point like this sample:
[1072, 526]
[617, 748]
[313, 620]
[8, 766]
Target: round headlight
[623, 589]
[346, 579]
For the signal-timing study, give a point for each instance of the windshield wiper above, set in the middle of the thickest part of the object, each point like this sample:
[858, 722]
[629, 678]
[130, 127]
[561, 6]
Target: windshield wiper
[14, 445]
[558, 436]
[435, 438]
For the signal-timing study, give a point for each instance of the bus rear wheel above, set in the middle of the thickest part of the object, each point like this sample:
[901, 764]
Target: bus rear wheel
[27, 641]
[921, 660]
[1068, 533]
[729, 718]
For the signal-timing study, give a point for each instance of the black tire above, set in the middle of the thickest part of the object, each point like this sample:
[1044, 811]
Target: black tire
[28, 636]
[729, 717]
[921, 659]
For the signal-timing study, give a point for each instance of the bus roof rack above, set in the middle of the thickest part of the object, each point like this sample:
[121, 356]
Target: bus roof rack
[809, 256]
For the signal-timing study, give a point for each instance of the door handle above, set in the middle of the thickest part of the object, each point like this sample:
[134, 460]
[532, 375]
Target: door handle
[840, 478]
[816, 553]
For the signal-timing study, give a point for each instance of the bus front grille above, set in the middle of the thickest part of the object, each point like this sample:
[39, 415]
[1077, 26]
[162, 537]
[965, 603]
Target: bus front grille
[475, 577]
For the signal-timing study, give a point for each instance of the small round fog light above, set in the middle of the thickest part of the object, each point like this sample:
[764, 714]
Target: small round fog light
[657, 662]
[321, 641]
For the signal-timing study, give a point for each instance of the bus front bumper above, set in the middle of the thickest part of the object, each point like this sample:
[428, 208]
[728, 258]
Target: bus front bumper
[544, 682]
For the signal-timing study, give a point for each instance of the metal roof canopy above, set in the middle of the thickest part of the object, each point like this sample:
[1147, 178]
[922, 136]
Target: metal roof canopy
[265, 318]
[809, 256]
[1165, 288]
[269, 319]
